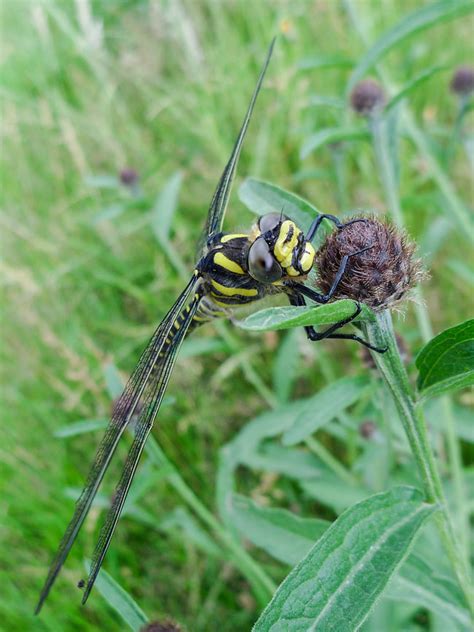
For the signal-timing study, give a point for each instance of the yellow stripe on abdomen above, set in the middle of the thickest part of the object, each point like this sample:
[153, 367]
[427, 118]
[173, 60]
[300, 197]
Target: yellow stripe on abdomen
[233, 291]
[226, 263]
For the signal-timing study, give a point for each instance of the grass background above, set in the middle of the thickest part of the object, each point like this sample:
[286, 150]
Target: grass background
[90, 88]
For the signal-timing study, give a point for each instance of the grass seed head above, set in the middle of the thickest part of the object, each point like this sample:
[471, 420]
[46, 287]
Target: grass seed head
[367, 97]
[462, 81]
[379, 277]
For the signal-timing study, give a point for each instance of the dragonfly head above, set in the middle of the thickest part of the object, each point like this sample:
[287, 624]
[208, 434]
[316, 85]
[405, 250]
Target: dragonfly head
[279, 250]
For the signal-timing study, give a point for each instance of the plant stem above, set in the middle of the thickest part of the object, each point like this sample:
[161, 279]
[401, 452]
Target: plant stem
[380, 332]
[327, 458]
[261, 583]
[386, 167]
[378, 127]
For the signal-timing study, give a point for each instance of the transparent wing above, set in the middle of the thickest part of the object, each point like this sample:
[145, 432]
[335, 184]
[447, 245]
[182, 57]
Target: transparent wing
[144, 373]
[142, 430]
[220, 198]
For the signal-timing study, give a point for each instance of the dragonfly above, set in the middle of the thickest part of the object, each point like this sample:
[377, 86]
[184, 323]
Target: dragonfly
[234, 269]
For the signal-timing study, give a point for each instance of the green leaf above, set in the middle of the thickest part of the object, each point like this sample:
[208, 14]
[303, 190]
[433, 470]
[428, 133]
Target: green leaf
[413, 84]
[326, 405]
[291, 462]
[113, 381]
[282, 534]
[328, 490]
[332, 135]
[336, 585]
[324, 61]
[165, 206]
[81, 427]
[414, 22]
[317, 100]
[446, 363]
[180, 519]
[275, 318]
[102, 181]
[285, 366]
[119, 600]
[262, 197]
[419, 583]
[462, 415]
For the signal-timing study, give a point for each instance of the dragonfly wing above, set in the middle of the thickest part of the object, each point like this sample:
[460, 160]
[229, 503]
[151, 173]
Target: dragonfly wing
[122, 414]
[154, 396]
[220, 198]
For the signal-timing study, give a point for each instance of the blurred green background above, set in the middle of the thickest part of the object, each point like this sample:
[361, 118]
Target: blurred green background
[90, 88]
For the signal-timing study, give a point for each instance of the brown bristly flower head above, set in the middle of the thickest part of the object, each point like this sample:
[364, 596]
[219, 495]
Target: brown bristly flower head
[367, 97]
[462, 81]
[379, 277]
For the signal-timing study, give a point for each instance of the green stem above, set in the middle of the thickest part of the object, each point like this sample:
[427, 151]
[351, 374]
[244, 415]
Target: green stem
[454, 206]
[457, 208]
[326, 457]
[378, 127]
[261, 583]
[380, 332]
[455, 461]
[388, 178]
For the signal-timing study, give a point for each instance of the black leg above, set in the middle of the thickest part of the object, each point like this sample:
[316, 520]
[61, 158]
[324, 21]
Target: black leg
[297, 299]
[317, 297]
[332, 218]
[359, 340]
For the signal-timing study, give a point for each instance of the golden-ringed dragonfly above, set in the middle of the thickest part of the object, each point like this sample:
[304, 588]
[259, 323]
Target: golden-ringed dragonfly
[234, 269]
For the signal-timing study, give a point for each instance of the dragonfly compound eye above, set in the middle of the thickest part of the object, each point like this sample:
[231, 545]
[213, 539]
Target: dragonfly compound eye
[262, 264]
[269, 221]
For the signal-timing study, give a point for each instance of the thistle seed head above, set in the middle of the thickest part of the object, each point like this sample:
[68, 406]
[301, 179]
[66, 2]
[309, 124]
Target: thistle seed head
[381, 276]
[367, 96]
[462, 81]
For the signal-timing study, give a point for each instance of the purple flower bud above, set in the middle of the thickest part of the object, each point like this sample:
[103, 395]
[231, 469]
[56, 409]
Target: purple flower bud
[128, 177]
[367, 96]
[462, 81]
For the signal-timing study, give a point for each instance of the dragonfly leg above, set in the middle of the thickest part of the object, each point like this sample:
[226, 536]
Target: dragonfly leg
[313, 229]
[313, 335]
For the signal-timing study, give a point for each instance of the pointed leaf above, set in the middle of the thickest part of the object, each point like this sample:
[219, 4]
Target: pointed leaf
[283, 535]
[275, 318]
[262, 197]
[336, 585]
[326, 405]
[165, 206]
[120, 600]
[447, 361]
[332, 135]
[418, 583]
[416, 21]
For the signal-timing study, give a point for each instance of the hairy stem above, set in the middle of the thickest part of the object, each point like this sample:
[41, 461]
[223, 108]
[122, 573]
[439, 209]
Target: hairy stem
[380, 332]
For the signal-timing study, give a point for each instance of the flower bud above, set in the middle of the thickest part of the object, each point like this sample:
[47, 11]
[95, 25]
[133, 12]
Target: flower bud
[381, 276]
[367, 96]
[367, 429]
[462, 81]
[128, 177]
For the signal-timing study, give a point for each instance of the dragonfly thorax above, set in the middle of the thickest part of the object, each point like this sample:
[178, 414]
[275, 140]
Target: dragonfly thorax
[279, 250]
